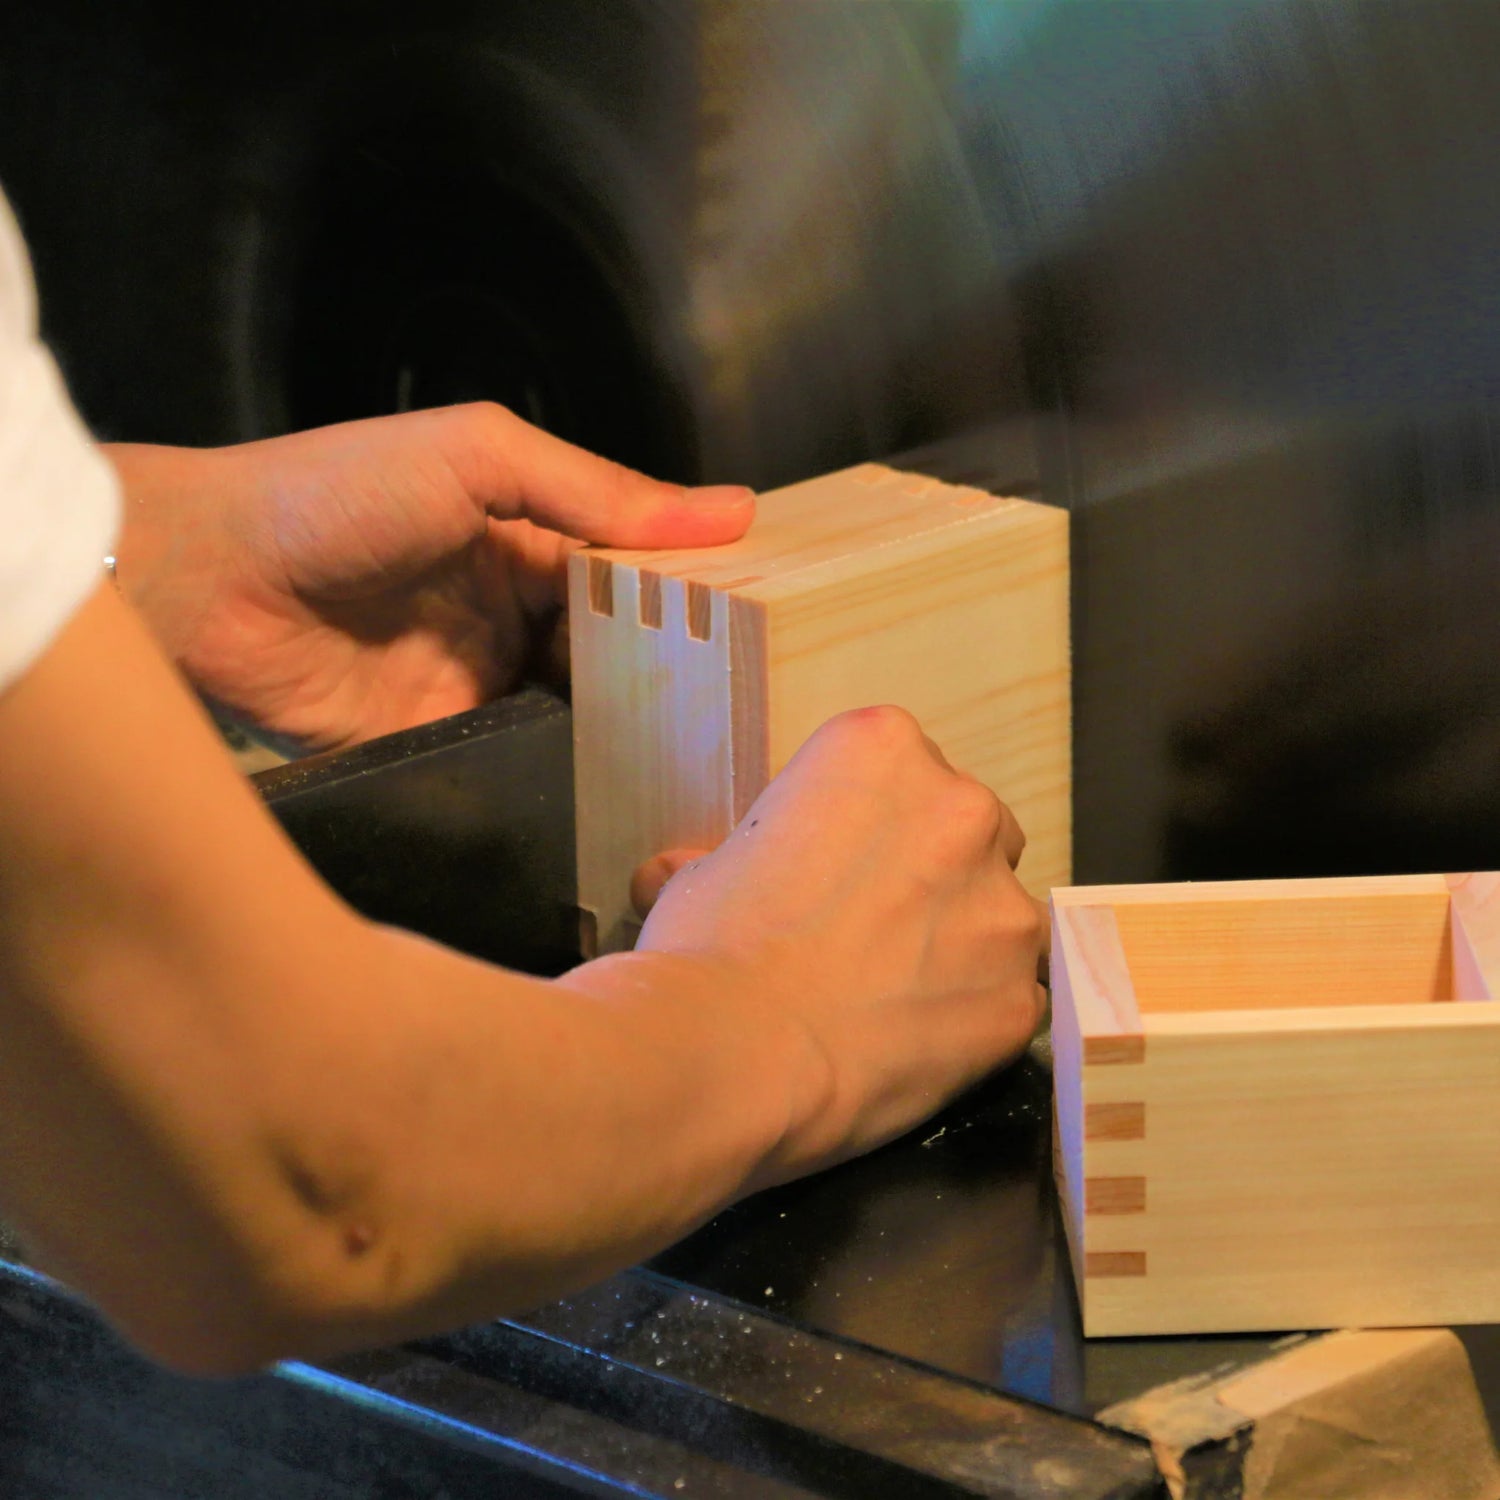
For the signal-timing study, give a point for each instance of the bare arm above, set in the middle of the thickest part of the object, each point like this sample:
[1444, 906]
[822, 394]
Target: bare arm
[248, 1123]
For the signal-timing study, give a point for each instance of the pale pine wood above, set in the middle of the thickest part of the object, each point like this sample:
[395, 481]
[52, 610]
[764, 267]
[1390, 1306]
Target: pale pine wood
[1114, 1122]
[1379, 948]
[697, 674]
[1283, 1166]
[1177, 893]
[1476, 934]
[651, 738]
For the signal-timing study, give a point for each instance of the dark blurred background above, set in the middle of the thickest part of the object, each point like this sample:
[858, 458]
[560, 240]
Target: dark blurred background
[1222, 278]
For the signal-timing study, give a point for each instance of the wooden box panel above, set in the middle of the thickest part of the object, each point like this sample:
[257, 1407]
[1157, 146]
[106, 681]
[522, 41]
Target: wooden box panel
[697, 674]
[1278, 1102]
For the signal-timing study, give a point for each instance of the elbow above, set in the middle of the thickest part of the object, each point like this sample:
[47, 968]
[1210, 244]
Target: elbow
[221, 1337]
[242, 1324]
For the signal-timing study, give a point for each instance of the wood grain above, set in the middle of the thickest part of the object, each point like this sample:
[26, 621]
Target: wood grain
[1476, 934]
[651, 717]
[1114, 1122]
[697, 674]
[1111, 1051]
[1372, 949]
[1333, 1162]
[1114, 1195]
[1101, 1264]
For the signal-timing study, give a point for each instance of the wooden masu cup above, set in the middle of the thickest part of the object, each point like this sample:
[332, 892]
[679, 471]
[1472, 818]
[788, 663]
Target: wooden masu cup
[1278, 1102]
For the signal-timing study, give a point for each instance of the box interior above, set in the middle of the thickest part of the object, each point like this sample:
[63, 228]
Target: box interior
[1278, 953]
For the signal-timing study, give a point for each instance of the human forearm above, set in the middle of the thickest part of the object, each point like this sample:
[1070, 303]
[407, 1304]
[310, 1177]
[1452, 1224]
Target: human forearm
[563, 1133]
[249, 1124]
[173, 549]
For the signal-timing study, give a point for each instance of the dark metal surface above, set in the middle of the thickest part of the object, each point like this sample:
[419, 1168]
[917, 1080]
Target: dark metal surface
[642, 1388]
[461, 830]
[85, 1418]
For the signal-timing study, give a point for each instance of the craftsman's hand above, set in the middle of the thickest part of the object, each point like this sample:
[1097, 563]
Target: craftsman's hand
[871, 893]
[346, 582]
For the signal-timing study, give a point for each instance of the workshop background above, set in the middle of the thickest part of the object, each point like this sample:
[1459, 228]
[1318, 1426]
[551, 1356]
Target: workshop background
[1223, 279]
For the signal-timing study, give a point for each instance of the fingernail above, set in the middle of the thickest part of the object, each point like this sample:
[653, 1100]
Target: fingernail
[722, 496]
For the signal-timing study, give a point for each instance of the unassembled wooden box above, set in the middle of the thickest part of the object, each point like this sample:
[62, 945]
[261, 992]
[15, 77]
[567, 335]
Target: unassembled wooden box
[1278, 1102]
[697, 674]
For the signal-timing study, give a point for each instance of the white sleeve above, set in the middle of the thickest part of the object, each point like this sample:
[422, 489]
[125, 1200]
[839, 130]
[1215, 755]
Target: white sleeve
[59, 499]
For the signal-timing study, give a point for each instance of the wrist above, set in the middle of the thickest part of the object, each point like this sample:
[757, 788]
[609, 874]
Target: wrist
[170, 553]
[759, 1071]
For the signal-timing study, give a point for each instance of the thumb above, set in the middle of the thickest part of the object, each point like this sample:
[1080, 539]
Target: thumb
[521, 472]
[651, 876]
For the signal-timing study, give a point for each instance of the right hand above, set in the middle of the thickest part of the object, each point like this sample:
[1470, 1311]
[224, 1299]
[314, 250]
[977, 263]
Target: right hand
[870, 894]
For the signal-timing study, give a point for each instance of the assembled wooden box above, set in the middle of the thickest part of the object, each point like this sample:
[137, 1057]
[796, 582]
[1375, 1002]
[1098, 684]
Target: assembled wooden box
[1278, 1102]
[697, 674]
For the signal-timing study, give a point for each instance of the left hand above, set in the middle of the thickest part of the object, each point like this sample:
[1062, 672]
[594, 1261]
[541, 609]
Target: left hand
[353, 580]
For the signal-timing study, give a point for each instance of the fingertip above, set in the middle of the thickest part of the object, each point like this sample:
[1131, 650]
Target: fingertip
[709, 516]
[651, 876]
[722, 496]
[646, 883]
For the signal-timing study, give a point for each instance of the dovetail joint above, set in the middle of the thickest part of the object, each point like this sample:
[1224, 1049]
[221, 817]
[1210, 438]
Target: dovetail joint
[700, 611]
[1105, 1051]
[1114, 1195]
[601, 586]
[1114, 1122]
[1114, 1263]
[650, 600]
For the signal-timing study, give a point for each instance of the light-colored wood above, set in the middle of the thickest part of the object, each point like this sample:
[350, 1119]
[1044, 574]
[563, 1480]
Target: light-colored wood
[1288, 1165]
[1376, 949]
[1476, 934]
[1114, 1122]
[697, 674]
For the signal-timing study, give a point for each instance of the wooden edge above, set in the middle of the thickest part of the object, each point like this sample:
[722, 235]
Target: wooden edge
[1345, 1413]
[1067, 1112]
[577, 577]
[1476, 935]
[1071, 1218]
[1250, 890]
[967, 504]
[1017, 522]
[1362, 1018]
[749, 736]
[1102, 994]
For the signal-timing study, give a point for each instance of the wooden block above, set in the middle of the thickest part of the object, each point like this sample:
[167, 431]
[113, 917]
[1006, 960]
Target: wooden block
[1274, 1108]
[697, 674]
